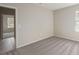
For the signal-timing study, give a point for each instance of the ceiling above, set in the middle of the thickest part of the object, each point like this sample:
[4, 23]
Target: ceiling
[51, 6]
[55, 6]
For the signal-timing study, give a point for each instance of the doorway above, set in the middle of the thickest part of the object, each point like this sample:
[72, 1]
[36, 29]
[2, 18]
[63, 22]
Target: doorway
[7, 29]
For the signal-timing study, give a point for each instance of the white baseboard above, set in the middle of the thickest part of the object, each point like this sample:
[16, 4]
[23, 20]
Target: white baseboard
[41, 38]
[67, 37]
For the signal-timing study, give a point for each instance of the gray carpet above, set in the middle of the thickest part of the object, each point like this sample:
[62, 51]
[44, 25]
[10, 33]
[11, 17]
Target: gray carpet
[50, 46]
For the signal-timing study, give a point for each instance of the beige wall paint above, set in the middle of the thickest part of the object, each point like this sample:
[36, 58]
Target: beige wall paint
[34, 23]
[64, 23]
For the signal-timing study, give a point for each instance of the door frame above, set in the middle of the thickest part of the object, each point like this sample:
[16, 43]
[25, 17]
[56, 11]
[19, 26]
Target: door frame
[15, 21]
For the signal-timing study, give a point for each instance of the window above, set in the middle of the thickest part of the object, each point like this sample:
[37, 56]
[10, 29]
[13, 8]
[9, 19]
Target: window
[10, 22]
[77, 22]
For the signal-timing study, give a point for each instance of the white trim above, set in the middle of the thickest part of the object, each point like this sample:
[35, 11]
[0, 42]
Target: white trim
[43, 38]
[66, 37]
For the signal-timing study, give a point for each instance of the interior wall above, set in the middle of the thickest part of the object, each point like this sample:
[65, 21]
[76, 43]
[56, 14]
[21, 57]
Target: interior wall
[64, 23]
[34, 23]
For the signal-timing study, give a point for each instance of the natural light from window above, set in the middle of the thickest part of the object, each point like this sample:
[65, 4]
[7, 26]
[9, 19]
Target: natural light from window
[77, 22]
[10, 22]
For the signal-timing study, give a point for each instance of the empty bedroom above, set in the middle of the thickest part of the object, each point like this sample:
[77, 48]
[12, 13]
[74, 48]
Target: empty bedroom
[39, 29]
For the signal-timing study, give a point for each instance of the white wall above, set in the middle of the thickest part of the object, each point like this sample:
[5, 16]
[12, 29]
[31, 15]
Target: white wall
[64, 23]
[34, 23]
